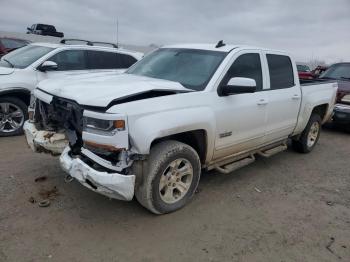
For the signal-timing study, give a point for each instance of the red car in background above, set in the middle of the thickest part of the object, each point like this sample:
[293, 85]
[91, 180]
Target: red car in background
[304, 72]
[9, 44]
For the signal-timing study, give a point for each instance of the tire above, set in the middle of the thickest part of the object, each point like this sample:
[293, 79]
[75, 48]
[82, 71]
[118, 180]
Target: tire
[307, 141]
[165, 161]
[13, 114]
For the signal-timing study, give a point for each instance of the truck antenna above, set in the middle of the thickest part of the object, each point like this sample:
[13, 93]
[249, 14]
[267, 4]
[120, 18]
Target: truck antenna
[220, 44]
[117, 33]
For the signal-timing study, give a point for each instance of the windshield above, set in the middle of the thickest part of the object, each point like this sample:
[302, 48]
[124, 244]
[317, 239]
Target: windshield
[303, 68]
[190, 67]
[25, 56]
[338, 71]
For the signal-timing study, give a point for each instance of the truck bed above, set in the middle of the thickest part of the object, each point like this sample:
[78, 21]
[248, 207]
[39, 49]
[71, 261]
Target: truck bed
[315, 93]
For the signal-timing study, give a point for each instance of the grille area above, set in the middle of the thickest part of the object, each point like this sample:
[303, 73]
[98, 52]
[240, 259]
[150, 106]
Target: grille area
[61, 115]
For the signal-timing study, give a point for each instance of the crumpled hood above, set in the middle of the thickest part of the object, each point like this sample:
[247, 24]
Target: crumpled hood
[6, 70]
[99, 91]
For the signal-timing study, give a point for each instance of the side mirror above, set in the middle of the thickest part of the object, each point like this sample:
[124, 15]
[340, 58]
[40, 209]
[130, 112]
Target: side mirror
[29, 29]
[48, 66]
[239, 85]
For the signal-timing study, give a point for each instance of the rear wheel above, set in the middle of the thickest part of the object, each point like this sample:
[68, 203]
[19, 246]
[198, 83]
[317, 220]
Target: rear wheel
[310, 135]
[171, 178]
[13, 113]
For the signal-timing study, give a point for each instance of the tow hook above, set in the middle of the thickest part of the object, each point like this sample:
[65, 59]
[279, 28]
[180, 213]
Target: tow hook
[68, 178]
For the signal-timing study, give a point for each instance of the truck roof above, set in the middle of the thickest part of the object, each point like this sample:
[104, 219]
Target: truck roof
[212, 47]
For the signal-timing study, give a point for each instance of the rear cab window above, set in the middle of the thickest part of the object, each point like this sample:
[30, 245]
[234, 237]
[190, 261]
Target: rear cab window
[281, 71]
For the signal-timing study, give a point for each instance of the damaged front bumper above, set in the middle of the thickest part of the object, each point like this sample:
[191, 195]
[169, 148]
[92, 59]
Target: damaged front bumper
[44, 141]
[112, 185]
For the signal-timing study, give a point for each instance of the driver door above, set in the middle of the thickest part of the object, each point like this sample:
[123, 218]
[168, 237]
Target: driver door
[241, 118]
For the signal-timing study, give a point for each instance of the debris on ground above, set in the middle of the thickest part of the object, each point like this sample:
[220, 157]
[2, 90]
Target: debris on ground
[257, 189]
[328, 246]
[68, 178]
[40, 179]
[330, 203]
[44, 203]
[49, 193]
[32, 200]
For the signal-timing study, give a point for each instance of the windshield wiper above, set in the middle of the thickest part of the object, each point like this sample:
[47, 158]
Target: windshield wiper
[346, 78]
[8, 62]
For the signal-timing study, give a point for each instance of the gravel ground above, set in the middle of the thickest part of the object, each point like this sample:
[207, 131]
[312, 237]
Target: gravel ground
[291, 207]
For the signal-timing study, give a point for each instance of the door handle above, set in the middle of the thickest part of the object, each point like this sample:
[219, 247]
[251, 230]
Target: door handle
[296, 97]
[262, 102]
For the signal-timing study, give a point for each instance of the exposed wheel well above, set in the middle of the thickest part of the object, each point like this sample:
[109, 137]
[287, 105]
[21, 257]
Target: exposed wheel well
[24, 95]
[321, 110]
[196, 139]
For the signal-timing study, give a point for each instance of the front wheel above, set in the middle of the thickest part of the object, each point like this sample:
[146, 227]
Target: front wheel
[13, 113]
[309, 136]
[171, 178]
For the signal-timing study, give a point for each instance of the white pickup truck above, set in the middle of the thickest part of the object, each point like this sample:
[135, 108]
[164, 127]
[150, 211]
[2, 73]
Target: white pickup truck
[179, 110]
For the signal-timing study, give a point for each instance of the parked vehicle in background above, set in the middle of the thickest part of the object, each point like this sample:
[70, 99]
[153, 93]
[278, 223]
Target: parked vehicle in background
[22, 69]
[181, 109]
[341, 73]
[304, 72]
[8, 44]
[318, 71]
[43, 29]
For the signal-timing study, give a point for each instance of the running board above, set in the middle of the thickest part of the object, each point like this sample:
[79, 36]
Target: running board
[226, 169]
[273, 151]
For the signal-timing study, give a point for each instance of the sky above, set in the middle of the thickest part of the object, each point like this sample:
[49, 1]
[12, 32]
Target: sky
[309, 30]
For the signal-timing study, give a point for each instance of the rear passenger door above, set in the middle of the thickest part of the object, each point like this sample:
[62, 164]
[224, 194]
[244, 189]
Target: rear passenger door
[284, 97]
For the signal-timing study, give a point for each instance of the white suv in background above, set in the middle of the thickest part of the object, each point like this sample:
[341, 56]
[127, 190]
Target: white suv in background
[23, 69]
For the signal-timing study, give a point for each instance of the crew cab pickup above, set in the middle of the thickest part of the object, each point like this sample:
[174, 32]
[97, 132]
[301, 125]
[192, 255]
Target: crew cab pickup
[150, 131]
[43, 29]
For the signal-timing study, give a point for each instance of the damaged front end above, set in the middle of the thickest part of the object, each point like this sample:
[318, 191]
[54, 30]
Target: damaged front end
[51, 124]
[93, 145]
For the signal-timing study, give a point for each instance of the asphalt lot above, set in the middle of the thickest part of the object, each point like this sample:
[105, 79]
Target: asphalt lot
[291, 207]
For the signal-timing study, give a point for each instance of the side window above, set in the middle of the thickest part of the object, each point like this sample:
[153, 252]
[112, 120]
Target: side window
[127, 60]
[249, 66]
[70, 60]
[281, 71]
[103, 60]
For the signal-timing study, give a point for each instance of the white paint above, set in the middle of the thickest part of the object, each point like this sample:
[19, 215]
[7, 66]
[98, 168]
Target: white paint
[113, 185]
[254, 119]
[28, 78]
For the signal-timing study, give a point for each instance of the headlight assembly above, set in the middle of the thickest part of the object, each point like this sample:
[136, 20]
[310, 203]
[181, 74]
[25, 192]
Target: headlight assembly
[105, 127]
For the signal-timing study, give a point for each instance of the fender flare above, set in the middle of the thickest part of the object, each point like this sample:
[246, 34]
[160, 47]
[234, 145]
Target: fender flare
[148, 128]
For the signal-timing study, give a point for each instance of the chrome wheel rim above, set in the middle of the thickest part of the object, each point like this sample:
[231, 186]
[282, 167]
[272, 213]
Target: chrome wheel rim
[313, 134]
[11, 117]
[175, 181]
